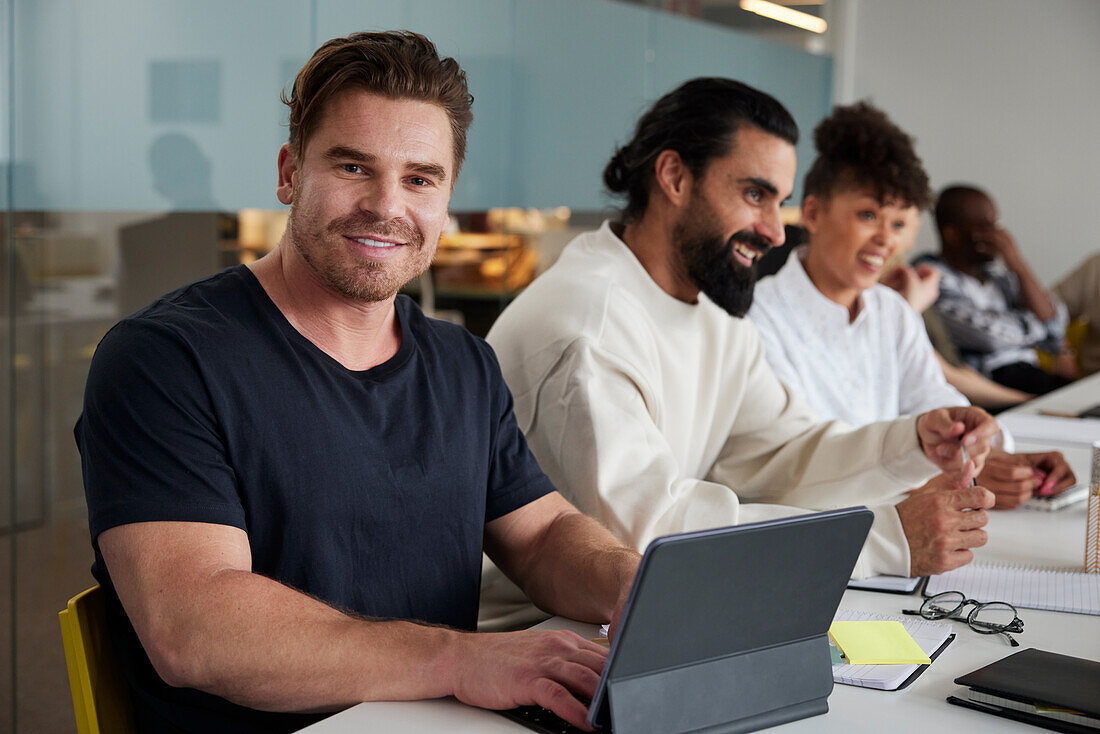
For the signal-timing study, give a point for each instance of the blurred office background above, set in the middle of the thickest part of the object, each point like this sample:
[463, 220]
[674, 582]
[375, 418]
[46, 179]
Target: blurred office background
[137, 153]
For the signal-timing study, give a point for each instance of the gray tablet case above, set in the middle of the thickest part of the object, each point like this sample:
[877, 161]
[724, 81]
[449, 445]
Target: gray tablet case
[726, 630]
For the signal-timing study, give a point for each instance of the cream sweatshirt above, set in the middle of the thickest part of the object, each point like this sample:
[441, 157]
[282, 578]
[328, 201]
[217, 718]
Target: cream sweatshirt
[657, 416]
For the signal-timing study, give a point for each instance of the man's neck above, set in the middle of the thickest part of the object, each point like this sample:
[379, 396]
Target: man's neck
[358, 335]
[651, 240]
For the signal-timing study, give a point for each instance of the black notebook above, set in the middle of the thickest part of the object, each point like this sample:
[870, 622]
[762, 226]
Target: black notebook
[1043, 688]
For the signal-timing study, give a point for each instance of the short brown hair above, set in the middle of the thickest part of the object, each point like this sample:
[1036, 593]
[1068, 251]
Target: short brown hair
[395, 64]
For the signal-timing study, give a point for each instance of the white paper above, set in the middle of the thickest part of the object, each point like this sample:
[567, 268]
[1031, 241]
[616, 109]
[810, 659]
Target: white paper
[1051, 429]
[1031, 588]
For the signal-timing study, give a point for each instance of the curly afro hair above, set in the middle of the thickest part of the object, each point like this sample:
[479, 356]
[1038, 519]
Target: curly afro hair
[858, 147]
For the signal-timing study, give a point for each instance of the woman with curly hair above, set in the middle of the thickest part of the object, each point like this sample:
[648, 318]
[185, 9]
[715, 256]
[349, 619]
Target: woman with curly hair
[853, 348]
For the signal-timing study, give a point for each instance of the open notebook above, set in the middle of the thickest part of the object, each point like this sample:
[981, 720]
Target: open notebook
[1032, 588]
[931, 636]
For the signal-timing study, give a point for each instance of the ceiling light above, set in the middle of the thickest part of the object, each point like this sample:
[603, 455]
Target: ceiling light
[785, 15]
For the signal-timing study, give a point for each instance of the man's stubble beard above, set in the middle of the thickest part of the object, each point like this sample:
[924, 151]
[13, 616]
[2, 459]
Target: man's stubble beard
[325, 251]
[707, 259]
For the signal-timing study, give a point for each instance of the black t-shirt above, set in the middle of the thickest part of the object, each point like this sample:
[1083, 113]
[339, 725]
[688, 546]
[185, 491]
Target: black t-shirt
[368, 490]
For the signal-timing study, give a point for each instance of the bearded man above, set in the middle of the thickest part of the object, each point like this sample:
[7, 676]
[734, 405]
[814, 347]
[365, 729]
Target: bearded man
[646, 396]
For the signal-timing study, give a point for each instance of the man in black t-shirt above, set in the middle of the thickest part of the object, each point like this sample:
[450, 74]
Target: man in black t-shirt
[291, 472]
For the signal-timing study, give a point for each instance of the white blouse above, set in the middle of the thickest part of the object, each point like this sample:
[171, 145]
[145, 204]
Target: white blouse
[875, 368]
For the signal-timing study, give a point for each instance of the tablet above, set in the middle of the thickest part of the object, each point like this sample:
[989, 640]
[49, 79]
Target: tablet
[730, 625]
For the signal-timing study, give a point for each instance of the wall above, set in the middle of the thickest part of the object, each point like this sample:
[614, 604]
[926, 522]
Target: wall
[128, 105]
[1002, 93]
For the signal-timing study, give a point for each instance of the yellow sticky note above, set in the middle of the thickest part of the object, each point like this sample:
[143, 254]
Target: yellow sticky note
[876, 643]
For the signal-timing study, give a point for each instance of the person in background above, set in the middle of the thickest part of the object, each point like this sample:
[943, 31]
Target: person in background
[855, 349]
[977, 388]
[291, 472]
[993, 306]
[644, 393]
[1080, 291]
[920, 286]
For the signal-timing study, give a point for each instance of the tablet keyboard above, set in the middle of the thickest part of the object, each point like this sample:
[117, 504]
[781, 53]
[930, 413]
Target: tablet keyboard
[543, 720]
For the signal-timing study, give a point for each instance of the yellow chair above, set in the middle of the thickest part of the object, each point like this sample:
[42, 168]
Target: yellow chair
[101, 699]
[1076, 333]
[1075, 338]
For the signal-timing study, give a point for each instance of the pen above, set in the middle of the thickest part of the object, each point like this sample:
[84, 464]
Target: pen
[966, 460]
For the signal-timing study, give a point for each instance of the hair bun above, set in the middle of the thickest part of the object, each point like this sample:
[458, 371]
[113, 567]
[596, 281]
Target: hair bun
[615, 174]
[859, 145]
[852, 128]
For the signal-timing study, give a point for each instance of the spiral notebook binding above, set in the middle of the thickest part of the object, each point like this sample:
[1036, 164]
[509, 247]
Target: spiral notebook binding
[1023, 585]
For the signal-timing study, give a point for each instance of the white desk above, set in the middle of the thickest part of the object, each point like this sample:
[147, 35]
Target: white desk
[1020, 536]
[1072, 398]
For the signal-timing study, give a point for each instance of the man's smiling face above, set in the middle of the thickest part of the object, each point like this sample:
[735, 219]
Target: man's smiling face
[369, 193]
[732, 217]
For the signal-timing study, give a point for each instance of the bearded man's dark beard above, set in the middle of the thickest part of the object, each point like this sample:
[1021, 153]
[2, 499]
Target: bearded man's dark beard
[710, 264]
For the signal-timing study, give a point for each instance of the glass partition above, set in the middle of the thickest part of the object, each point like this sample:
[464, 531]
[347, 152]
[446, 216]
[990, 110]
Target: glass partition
[138, 141]
[7, 465]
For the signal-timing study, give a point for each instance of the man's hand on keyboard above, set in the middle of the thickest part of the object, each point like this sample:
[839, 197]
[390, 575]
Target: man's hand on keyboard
[546, 668]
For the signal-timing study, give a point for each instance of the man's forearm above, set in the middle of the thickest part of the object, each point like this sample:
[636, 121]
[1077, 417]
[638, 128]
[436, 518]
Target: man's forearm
[258, 643]
[978, 389]
[1034, 297]
[580, 570]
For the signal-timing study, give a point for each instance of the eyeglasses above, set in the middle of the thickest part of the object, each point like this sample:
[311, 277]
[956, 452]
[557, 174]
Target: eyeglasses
[986, 618]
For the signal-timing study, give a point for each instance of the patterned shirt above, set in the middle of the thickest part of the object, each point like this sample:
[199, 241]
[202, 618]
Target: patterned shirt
[988, 321]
